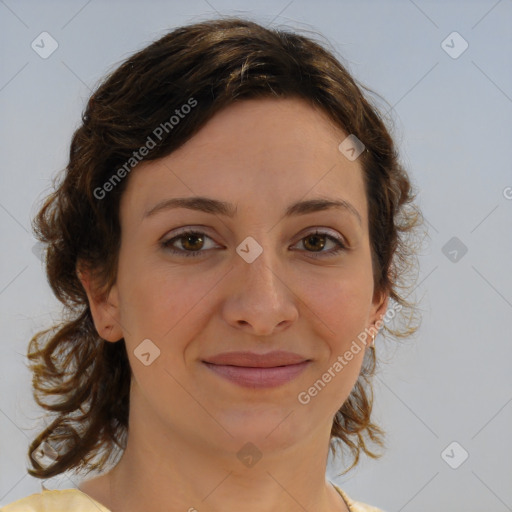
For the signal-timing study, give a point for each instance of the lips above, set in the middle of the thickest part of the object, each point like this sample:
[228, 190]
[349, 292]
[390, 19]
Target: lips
[254, 360]
[251, 370]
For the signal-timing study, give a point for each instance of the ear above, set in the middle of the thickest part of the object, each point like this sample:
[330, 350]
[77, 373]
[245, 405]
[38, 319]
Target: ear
[379, 308]
[104, 307]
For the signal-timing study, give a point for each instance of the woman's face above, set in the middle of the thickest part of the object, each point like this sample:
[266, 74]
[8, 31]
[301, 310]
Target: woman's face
[253, 278]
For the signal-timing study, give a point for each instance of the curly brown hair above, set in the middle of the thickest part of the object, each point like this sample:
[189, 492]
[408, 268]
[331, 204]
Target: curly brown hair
[77, 376]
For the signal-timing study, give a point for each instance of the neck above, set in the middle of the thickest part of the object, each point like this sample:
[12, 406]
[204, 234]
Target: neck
[167, 468]
[188, 479]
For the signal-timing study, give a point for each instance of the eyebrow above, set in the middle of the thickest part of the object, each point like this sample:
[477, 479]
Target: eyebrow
[216, 207]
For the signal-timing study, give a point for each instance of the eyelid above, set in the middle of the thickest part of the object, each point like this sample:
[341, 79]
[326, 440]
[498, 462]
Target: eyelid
[322, 231]
[184, 230]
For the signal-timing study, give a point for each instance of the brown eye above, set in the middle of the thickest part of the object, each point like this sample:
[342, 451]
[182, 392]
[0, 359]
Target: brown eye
[192, 242]
[315, 242]
[187, 243]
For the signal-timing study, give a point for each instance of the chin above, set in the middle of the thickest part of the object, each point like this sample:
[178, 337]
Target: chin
[267, 431]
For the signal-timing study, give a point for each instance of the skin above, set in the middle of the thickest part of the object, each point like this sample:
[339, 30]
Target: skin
[186, 423]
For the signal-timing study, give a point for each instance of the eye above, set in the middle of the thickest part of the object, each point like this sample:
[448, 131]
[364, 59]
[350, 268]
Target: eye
[191, 242]
[318, 241]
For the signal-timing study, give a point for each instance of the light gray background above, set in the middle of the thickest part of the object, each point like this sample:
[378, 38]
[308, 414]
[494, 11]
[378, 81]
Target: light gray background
[452, 382]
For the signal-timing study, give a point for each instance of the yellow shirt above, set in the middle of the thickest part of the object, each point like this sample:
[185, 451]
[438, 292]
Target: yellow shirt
[74, 500]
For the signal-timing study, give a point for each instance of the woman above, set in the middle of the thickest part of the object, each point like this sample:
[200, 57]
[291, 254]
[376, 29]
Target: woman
[229, 236]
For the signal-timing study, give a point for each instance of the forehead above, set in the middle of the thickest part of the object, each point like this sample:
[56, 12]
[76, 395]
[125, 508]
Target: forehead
[272, 123]
[258, 153]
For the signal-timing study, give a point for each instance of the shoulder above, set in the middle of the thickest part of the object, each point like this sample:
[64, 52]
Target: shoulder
[356, 506]
[65, 500]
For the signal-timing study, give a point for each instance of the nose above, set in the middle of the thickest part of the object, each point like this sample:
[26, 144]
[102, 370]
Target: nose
[260, 301]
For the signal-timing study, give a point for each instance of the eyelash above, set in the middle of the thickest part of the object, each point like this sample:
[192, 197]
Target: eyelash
[166, 244]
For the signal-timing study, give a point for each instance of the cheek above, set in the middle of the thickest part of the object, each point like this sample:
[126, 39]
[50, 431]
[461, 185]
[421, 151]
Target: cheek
[340, 301]
[159, 304]
[341, 310]
[157, 298]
